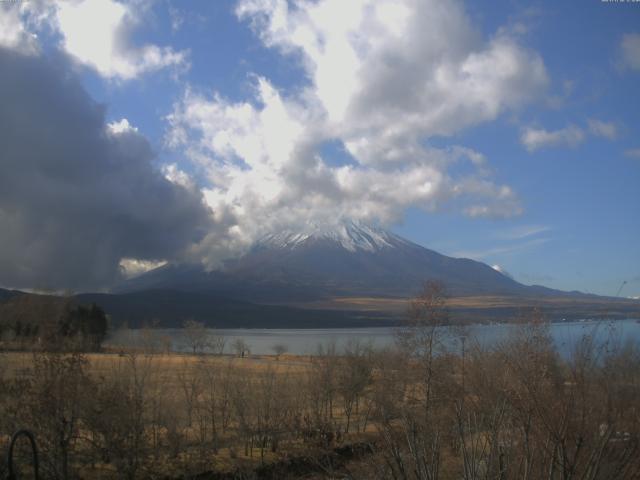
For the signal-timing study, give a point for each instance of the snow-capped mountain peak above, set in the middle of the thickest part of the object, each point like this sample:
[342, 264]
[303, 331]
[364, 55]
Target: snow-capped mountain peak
[351, 236]
[344, 259]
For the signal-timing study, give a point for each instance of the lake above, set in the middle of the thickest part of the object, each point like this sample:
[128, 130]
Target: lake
[306, 341]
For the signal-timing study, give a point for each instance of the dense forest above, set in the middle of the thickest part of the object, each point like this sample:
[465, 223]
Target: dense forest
[50, 322]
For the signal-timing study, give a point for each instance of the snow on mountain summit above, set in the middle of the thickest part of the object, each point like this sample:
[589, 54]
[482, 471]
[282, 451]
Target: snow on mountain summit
[351, 236]
[317, 261]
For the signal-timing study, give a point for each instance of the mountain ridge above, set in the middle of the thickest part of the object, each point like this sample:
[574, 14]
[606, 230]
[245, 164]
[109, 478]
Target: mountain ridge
[348, 275]
[349, 260]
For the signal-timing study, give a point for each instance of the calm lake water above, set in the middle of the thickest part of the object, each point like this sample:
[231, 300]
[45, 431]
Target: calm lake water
[306, 341]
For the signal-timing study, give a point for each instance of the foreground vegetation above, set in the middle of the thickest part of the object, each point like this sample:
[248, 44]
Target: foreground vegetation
[419, 411]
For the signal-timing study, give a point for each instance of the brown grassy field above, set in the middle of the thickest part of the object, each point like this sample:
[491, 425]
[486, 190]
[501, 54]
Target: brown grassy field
[415, 412]
[16, 363]
[179, 393]
[484, 308]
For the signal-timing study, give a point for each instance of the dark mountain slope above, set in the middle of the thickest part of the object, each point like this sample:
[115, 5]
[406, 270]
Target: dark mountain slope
[347, 276]
[350, 261]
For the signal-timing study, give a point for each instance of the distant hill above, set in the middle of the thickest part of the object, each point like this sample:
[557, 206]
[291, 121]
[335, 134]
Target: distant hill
[6, 294]
[170, 308]
[49, 320]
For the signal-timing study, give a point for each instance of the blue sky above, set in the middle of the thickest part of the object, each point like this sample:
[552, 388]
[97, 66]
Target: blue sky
[504, 131]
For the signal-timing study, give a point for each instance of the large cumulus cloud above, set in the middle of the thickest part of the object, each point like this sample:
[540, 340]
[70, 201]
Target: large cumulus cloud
[382, 79]
[399, 67]
[78, 196]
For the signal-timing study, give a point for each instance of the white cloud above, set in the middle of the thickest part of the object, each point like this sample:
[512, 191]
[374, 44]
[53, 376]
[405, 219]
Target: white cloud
[632, 153]
[131, 267]
[522, 231]
[382, 78]
[570, 136]
[599, 128]
[121, 126]
[501, 270]
[174, 174]
[13, 32]
[502, 250]
[630, 48]
[536, 138]
[96, 33]
[408, 67]
[177, 18]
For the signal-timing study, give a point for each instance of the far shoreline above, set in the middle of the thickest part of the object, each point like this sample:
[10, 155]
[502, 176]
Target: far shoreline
[390, 325]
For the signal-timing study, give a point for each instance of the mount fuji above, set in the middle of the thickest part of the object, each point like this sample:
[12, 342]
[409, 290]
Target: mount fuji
[349, 275]
[349, 260]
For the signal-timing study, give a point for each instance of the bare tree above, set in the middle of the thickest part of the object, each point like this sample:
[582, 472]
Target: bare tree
[196, 336]
[214, 402]
[322, 391]
[117, 415]
[54, 399]
[190, 385]
[279, 349]
[240, 347]
[354, 376]
[216, 342]
[413, 442]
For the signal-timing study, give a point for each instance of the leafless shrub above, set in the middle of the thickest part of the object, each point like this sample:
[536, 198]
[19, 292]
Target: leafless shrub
[240, 347]
[354, 376]
[51, 397]
[117, 415]
[196, 335]
[279, 349]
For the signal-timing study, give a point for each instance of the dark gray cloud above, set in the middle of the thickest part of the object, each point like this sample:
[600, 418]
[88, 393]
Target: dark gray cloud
[534, 277]
[74, 198]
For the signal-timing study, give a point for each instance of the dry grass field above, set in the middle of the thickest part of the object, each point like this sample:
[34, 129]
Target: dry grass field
[483, 308]
[173, 364]
[194, 410]
[414, 412]
[399, 304]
